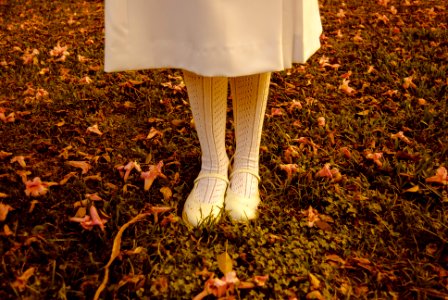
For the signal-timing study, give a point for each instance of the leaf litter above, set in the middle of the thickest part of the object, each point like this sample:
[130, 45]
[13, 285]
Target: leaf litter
[353, 165]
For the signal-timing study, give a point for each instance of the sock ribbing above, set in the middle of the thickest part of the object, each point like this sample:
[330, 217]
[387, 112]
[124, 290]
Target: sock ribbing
[208, 101]
[250, 94]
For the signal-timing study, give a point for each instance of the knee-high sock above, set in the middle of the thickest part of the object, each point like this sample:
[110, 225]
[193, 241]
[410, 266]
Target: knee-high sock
[208, 101]
[250, 94]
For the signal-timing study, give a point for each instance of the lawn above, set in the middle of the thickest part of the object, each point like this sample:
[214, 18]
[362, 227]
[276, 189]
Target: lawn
[353, 164]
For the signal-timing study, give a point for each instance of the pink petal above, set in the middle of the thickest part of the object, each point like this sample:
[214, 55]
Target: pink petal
[96, 220]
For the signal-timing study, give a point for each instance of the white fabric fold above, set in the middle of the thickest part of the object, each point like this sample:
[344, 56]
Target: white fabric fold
[210, 37]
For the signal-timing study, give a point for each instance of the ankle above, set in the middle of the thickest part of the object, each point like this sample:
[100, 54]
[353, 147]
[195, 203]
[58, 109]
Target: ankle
[245, 182]
[220, 167]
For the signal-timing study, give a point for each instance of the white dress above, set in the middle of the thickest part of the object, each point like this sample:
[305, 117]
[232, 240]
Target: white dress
[210, 37]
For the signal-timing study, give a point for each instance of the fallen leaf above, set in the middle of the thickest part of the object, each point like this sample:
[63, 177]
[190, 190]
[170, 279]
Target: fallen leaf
[94, 129]
[115, 252]
[128, 168]
[413, 189]
[154, 172]
[67, 177]
[400, 135]
[325, 171]
[275, 112]
[346, 152]
[225, 262]
[96, 220]
[159, 209]
[4, 154]
[357, 38]
[408, 83]
[376, 157]
[60, 52]
[294, 105]
[321, 122]
[260, 280]
[166, 192]
[153, 132]
[23, 175]
[312, 216]
[440, 177]
[363, 113]
[30, 56]
[346, 88]
[135, 251]
[22, 280]
[83, 165]
[315, 295]
[33, 204]
[36, 187]
[3, 195]
[96, 177]
[94, 197]
[89, 221]
[335, 258]
[314, 281]
[137, 280]
[20, 160]
[7, 231]
[4, 209]
[88, 80]
[290, 169]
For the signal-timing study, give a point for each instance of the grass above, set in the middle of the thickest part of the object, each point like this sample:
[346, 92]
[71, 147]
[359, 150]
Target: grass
[382, 228]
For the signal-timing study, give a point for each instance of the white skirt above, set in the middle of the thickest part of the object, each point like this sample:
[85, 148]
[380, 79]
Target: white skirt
[210, 37]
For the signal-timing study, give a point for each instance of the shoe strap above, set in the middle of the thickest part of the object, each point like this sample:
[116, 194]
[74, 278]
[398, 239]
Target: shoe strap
[212, 175]
[248, 171]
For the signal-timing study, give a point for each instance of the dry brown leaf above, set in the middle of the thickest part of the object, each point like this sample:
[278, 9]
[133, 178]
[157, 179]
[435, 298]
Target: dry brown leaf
[67, 177]
[20, 160]
[376, 158]
[312, 216]
[89, 221]
[154, 172]
[7, 231]
[408, 83]
[93, 197]
[4, 209]
[137, 280]
[225, 262]
[115, 252]
[83, 165]
[22, 280]
[440, 177]
[128, 168]
[400, 135]
[314, 281]
[335, 258]
[153, 132]
[344, 87]
[321, 122]
[290, 170]
[3, 195]
[36, 187]
[413, 189]
[166, 192]
[315, 295]
[325, 171]
[96, 177]
[94, 129]
[4, 154]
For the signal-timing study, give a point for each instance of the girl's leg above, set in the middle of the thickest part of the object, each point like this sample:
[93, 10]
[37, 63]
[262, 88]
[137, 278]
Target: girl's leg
[250, 94]
[208, 101]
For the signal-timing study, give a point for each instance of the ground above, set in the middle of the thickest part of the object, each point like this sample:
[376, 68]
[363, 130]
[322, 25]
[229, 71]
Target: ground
[353, 166]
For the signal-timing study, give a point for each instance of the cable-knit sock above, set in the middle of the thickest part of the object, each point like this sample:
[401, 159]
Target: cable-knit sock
[250, 94]
[208, 101]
